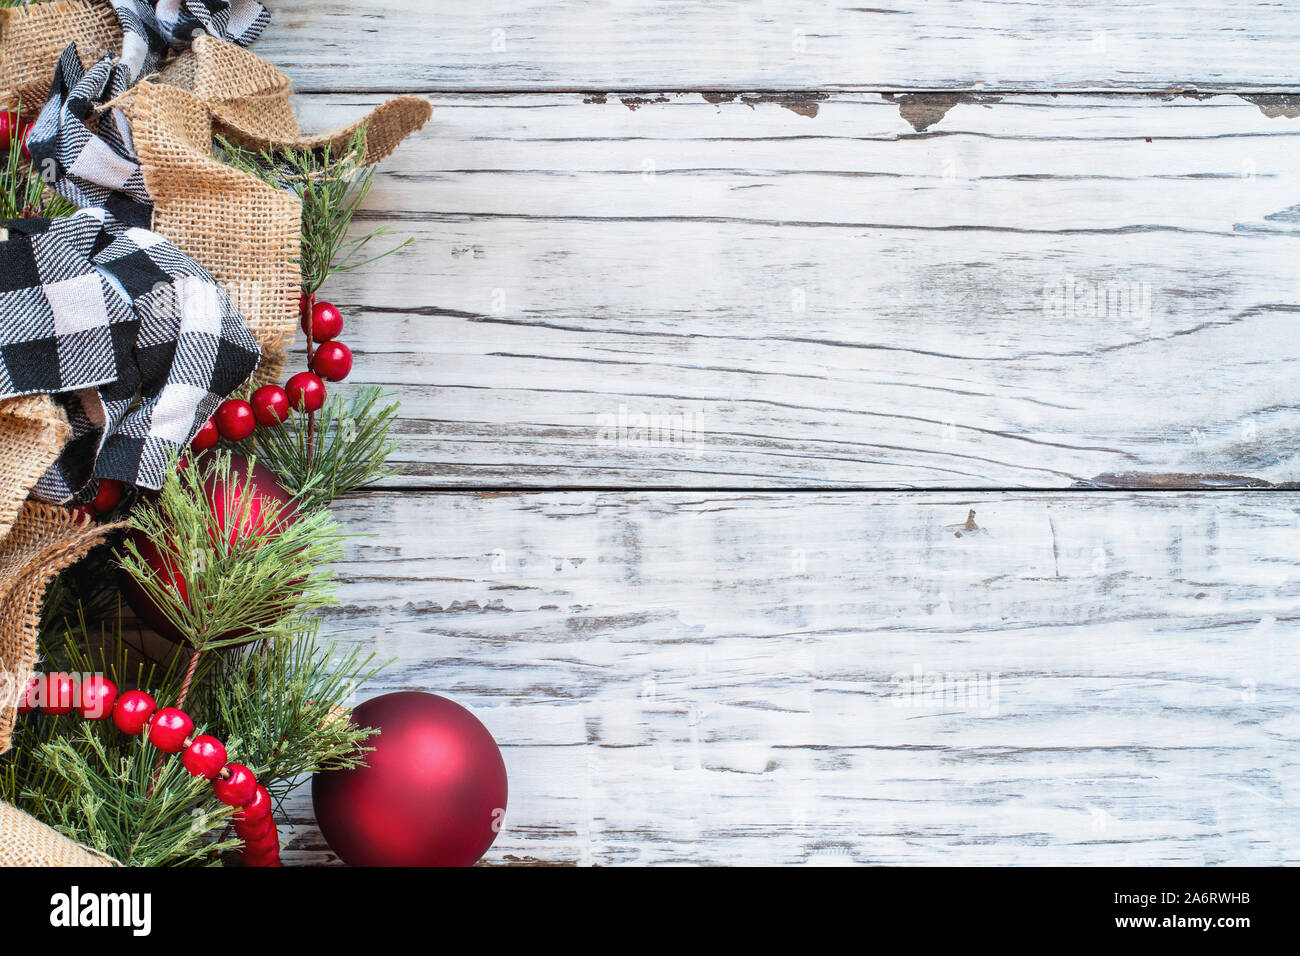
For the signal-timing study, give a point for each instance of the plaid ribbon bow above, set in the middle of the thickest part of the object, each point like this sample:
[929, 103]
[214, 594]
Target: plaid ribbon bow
[89, 169]
[134, 339]
[151, 27]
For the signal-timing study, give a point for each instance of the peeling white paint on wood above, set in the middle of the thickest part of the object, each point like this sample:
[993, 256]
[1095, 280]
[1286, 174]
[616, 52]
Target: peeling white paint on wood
[1036, 292]
[778, 44]
[724, 678]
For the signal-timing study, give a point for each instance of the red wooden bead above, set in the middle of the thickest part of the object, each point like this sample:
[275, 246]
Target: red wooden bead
[27, 702]
[207, 436]
[97, 694]
[132, 712]
[326, 322]
[254, 829]
[235, 419]
[270, 406]
[306, 392]
[108, 497]
[258, 809]
[204, 757]
[332, 361]
[169, 729]
[238, 787]
[265, 845]
[57, 694]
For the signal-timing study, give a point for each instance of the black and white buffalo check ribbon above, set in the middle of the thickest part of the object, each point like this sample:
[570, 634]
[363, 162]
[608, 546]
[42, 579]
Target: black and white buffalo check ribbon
[89, 169]
[136, 341]
[151, 27]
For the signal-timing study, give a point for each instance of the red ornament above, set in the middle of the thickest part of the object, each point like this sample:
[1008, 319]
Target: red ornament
[207, 436]
[306, 392]
[226, 501]
[108, 497]
[97, 695]
[235, 419]
[24, 131]
[9, 124]
[57, 694]
[432, 793]
[326, 322]
[270, 406]
[132, 711]
[237, 788]
[170, 729]
[332, 361]
[205, 757]
[82, 513]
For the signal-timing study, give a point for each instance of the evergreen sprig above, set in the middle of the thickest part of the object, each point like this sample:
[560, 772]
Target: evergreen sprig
[276, 707]
[332, 185]
[350, 448]
[248, 580]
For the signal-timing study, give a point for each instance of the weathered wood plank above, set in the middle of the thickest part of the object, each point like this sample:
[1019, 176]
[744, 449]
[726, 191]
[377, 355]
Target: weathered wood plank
[811, 44]
[1037, 291]
[1071, 678]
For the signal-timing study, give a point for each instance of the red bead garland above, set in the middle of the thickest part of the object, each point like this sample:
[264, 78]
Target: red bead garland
[332, 361]
[326, 322]
[269, 406]
[170, 730]
[306, 392]
[235, 419]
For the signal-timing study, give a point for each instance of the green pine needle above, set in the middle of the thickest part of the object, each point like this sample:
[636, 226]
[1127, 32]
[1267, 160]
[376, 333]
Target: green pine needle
[250, 584]
[351, 448]
[332, 187]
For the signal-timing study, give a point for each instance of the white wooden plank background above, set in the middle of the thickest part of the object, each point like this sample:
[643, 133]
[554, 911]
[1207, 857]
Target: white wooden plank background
[720, 678]
[1050, 45]
[824, 237]
[835, 299]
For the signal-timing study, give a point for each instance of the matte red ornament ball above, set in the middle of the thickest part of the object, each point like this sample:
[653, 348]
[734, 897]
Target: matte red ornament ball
[326, 322]
[432, 792]
[204, 757]
[306, 392]
[270, 406]
[108, 496]
[96, 696]
[237, 788]
[235, 419]
[332, 361]
[132, 711]
[170, 729]
[207, 437]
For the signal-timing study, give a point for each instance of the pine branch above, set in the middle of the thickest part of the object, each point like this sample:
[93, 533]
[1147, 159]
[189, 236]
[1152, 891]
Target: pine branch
[332, 186]
[247, 583]
[351, 448]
